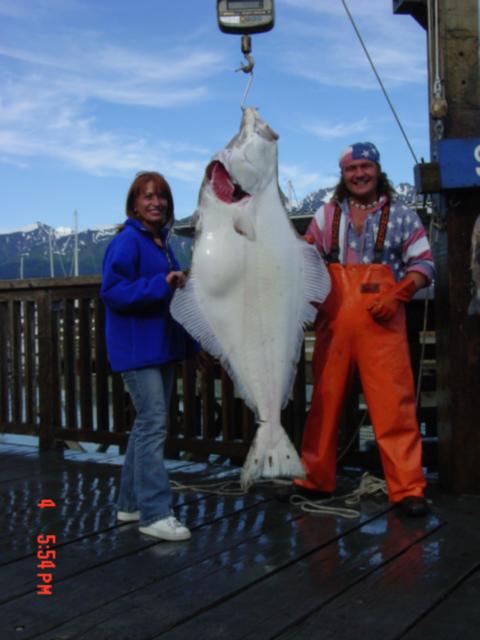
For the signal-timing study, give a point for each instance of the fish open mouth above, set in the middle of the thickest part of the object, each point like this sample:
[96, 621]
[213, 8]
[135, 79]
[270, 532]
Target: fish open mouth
[223, 186]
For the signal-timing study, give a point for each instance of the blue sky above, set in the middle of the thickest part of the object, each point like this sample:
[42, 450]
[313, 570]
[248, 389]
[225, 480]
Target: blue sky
[92, 91]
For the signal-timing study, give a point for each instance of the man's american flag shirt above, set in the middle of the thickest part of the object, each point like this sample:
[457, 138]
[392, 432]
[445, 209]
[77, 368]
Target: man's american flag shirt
[406, 246]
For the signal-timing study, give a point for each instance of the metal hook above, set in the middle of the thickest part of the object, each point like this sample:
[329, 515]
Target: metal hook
[246, 50]
[247, 68]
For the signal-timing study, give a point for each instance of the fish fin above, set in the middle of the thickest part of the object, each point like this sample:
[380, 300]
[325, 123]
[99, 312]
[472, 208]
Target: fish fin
[243, 225]
[474, 306]
[317, 285]
[186, 310]
[267, 460]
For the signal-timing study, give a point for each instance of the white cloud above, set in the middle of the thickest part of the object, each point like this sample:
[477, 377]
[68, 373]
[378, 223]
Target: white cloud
[99, 60]
[330, 131]
[30, 9]
[12, 8]
[40, 122]
[304, 181]
[336, 58]
[46, 102]
[158, 65]
[118, 75]
[100, 153]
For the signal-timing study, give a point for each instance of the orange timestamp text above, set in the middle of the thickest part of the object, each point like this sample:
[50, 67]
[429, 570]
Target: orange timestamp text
[46, 556]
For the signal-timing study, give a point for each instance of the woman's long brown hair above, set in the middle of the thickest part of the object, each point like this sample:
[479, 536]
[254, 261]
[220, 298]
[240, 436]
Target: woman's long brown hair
[161, 186]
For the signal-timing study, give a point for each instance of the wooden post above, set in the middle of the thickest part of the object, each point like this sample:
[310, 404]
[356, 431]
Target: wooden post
[458, 335]
[45, 367]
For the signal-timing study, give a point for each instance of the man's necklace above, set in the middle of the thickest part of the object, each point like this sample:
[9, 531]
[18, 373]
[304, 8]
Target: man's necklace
[363, 207]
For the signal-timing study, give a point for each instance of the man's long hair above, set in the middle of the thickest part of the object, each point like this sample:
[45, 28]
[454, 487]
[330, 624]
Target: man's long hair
[384, 188]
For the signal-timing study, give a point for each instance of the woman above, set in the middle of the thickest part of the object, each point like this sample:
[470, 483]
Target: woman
[140, 274]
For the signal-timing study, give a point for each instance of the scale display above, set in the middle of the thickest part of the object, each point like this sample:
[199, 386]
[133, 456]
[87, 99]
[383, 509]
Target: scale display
[245, 16]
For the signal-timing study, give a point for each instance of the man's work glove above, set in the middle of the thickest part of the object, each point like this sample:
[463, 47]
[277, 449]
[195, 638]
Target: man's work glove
[386, 305]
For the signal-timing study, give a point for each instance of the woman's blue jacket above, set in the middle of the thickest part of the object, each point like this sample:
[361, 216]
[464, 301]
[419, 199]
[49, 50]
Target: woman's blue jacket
[140, 332]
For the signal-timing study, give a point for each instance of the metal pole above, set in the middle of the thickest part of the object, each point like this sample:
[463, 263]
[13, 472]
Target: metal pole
[75, 246]
[50, 252]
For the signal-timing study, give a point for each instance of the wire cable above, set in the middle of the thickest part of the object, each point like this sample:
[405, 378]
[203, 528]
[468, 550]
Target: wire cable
[390, 104]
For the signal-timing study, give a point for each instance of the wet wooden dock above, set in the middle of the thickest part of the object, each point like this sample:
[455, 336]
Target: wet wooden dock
[254, 568]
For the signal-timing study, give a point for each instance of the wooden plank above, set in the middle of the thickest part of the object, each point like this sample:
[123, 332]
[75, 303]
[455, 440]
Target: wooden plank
[228, 407]
[45, 359]
[109, 554]
[4, 382]
[119, 400]
[85, 493]
[14, 467]
[174, 417]
[189, 399]
[205, 516]
[236, 450]
[85, 364]
[9, 447]
[30, 362]
[102, 398]
[254, 568]
[270, 603]
[100, 437]
[189, 594]
[16, 360]
[299, 404]
[30, 284]
[22, 428]
[68, 361]
[208, 404]
[456, 615]
[237, 422]
[11, 473]
[56, 394]
[408, 589]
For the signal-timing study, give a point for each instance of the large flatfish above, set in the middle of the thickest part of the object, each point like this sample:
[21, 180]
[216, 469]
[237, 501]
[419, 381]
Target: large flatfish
[251, 287]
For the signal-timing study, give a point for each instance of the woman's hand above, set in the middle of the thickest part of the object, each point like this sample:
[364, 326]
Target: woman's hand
[176, 279]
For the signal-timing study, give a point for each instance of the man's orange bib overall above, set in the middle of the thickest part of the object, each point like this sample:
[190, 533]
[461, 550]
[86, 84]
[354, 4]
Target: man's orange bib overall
[348, 337]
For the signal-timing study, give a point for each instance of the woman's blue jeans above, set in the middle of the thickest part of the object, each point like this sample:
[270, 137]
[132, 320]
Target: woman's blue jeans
[144, 483]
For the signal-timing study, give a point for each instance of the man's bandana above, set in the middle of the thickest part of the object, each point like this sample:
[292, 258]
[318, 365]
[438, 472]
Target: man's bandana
[359, 151]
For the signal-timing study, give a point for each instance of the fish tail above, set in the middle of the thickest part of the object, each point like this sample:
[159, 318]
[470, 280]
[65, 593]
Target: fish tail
[474, 306]
[271, 458]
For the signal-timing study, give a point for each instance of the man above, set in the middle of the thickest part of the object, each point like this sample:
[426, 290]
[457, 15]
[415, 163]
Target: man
[378, 256]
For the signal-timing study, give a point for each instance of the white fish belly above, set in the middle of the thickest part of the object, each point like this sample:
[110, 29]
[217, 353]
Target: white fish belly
[251, 294]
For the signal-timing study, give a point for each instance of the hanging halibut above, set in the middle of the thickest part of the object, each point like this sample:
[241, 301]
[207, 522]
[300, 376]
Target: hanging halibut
[250, 289]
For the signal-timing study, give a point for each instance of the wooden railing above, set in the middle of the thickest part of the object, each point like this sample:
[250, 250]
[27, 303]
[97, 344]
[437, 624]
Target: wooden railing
[55, 381]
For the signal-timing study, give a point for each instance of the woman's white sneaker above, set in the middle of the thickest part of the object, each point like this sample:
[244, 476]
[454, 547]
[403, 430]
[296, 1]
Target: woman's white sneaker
[128, 516]
[166, 529]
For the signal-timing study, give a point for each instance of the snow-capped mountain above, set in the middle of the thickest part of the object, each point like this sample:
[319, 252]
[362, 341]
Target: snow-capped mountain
[32, 251]
[405, 193]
